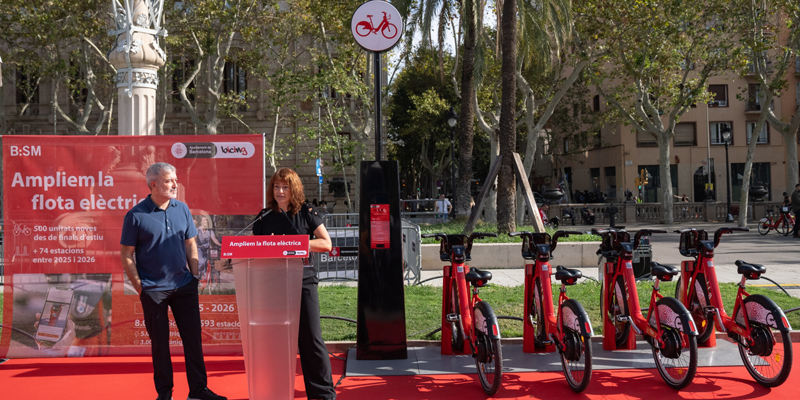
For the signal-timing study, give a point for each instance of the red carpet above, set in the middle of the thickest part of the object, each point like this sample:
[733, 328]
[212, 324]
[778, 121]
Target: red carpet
[130, 378]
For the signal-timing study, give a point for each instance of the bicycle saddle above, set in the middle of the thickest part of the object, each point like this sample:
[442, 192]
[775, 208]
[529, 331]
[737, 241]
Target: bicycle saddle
[663, 272]
[750, 271]
[477, 277]
[568, 276]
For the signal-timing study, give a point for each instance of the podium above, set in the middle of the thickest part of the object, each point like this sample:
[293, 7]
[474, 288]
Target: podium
[268, 273]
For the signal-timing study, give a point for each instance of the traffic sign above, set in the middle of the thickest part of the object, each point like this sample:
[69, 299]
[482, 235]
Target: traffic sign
[320, 179]
[377, 26]
[319, 167]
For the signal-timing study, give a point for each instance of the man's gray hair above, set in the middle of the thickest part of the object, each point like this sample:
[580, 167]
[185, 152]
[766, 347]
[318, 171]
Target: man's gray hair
[154, 171]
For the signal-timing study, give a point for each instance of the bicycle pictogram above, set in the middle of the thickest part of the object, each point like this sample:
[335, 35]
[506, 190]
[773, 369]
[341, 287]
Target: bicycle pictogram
[386, 28]
[22, 230]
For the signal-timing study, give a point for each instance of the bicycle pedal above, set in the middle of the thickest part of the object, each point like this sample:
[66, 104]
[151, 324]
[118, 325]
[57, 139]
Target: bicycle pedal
[547, 342]
[710, 310]
[453, 317]
[622, 318]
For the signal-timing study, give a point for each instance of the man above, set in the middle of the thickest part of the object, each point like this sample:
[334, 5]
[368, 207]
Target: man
[588, 215]
[796, 209]
[160, 232]
[443, 206]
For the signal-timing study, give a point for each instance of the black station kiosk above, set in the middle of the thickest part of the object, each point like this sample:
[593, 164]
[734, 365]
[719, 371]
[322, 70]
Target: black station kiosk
[381, 332]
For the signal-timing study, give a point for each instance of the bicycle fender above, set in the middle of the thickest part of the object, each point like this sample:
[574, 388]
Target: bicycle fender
[575, 318]
[486, 321]
[674, 315]
[763, 310]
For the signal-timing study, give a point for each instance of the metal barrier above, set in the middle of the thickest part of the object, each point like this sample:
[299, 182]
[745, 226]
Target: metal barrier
[341, 263]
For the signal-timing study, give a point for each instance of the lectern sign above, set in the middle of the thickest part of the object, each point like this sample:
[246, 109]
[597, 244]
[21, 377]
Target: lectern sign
[376, 25]
[273, 246]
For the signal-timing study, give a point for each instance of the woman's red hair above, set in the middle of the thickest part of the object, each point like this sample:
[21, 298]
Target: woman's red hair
[295, 186]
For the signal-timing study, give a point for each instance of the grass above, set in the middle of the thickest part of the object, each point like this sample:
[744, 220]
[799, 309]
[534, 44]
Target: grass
[423, 306]
[458, 227]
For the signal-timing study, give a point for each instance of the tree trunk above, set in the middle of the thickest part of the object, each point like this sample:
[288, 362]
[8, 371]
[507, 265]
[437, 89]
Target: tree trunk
[508, 127]
[748, 169]
[791, 160]
[666, 178]
[467, 116]
[490, 206]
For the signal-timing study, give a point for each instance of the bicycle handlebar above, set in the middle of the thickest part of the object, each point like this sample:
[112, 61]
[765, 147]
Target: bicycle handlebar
[560, 234]
[721, 231]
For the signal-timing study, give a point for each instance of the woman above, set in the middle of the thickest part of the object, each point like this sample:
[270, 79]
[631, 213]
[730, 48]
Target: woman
[290, 216]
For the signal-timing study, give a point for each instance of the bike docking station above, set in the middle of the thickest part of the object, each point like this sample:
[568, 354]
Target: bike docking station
[381, 320]
[609, 340]
[268, 274]
[688, 266]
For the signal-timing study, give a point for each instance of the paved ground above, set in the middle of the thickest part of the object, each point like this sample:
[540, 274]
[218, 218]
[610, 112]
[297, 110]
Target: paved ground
[780, 254]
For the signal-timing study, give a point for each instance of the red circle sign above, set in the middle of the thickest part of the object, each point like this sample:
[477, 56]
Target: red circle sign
[377, 25]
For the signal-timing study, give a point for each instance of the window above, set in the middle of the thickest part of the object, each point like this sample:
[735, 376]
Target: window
[596, 103]
[77, 86]
[566, 145]
[183, 70]
[27, 85]
[234, 79]
[720, 93]
[753, 101]
[716, 132]
[685, 134]
[594, 173]
[611, 182]
[763, 137]
[598, 140]
[652, 191]
[645, 139]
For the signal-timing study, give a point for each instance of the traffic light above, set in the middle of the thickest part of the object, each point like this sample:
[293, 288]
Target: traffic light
[642, 179]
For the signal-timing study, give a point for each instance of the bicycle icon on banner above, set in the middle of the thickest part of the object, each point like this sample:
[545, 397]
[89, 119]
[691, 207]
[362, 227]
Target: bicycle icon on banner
[386, 28]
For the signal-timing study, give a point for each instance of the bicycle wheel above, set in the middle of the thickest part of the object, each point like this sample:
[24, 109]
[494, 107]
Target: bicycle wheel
[489, 359]
[764, 226]
[698, 300]
[363, 28]
[389, 31]
[576, 351]
[677, 360]
[536, 314]
[618, 307]
[456, 327]
[783, 226]
[768, 359]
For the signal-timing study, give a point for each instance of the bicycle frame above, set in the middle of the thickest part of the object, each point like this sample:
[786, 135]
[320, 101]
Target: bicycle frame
[704, 265]
[454, 275]
[624, 268]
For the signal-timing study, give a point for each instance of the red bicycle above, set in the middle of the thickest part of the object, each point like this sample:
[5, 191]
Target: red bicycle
[783, 224]
[469, 326]
[386, 28]
[569, 331]
[766, 354]
[668, 327]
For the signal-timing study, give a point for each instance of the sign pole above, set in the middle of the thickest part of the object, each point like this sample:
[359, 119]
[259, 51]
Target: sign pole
[377, 72]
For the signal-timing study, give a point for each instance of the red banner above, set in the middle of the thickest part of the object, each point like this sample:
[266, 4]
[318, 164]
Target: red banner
[64, 200]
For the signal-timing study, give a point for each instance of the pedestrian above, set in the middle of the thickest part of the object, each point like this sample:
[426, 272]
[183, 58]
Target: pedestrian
[160, 233]
[796, 209]
[290, 216]
[443, 206]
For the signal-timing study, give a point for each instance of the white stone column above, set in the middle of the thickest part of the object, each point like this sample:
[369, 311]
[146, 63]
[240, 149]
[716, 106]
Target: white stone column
[137, 57]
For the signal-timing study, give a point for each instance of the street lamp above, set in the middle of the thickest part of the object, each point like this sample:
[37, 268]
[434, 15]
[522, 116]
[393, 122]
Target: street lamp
[726, 136]
[452, 119]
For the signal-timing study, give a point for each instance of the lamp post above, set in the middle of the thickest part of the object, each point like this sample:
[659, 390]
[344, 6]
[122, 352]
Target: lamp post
[452, 119]
[726, 136]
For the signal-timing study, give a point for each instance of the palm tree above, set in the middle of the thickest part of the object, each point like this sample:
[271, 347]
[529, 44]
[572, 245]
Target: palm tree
[545, 26]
